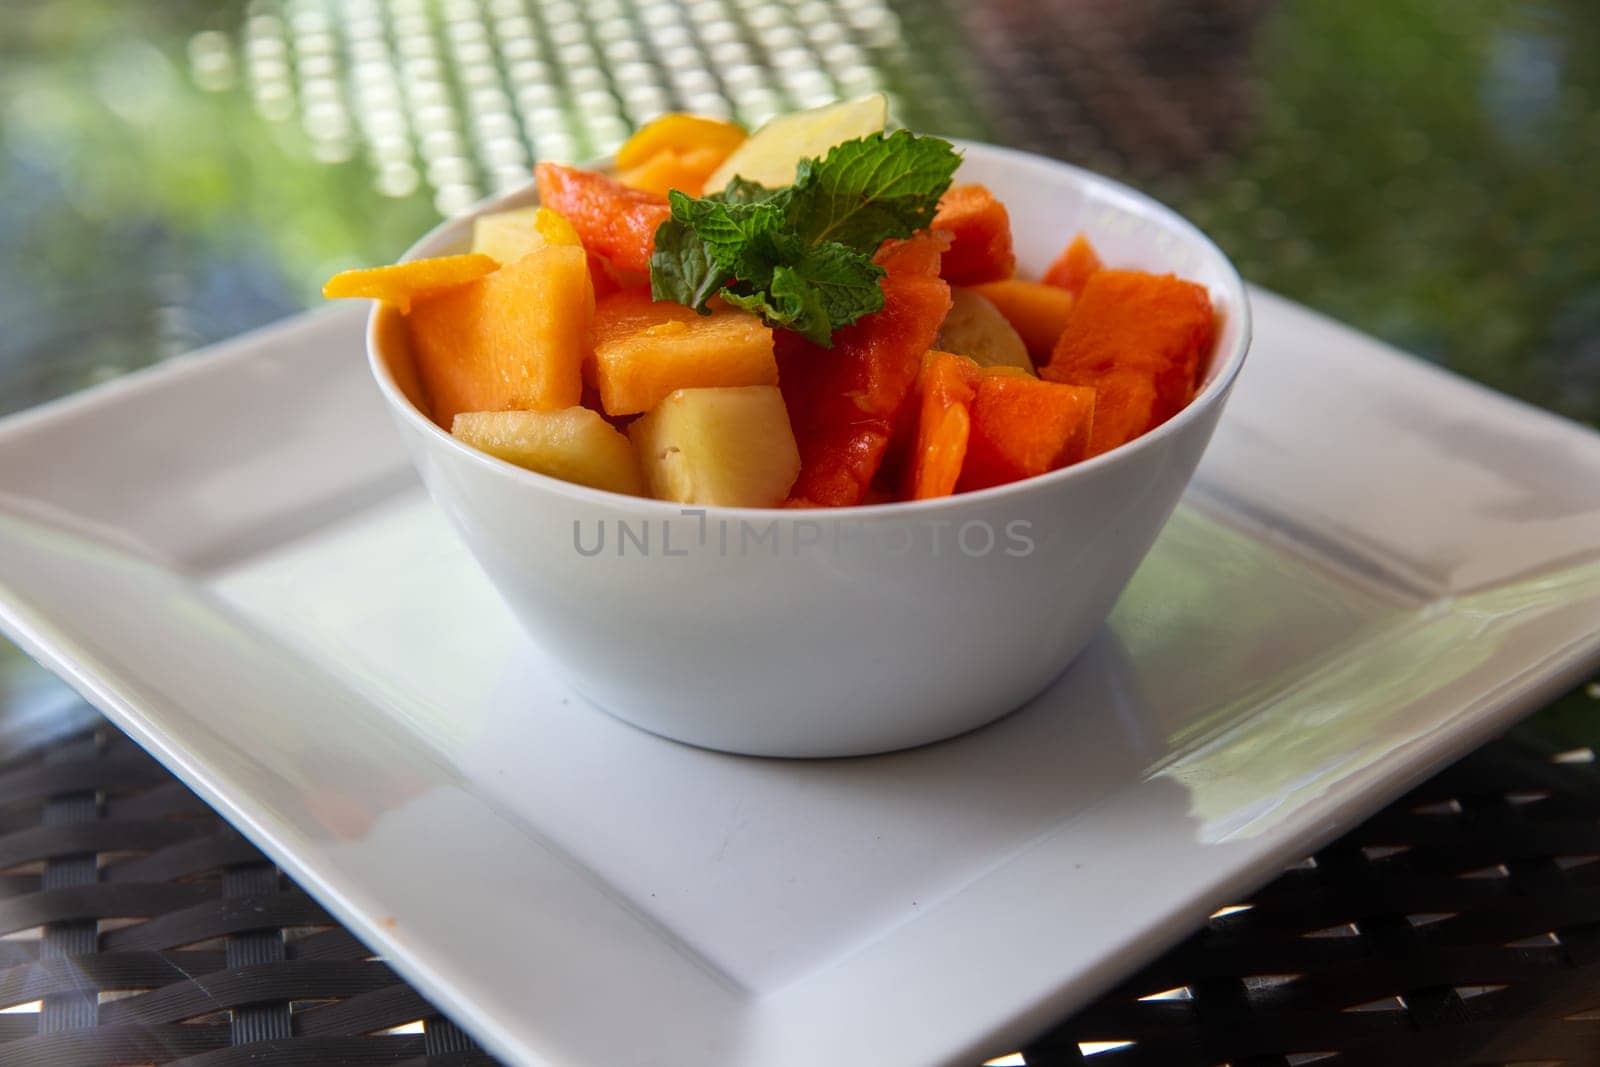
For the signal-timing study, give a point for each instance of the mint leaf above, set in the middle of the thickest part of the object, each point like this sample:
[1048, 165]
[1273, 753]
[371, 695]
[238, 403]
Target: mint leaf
[868, 190]
[845, 281]
[726, 227]
[743, 191]
[683, 268]
[801, 256]
[707, 242]
[825, 287]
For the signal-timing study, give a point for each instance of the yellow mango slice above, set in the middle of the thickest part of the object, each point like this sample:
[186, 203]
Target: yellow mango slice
[682, 133]
[672, 168]
[401, 283]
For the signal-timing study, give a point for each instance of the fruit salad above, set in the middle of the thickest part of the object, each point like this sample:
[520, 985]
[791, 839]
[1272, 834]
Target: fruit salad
[816, 314]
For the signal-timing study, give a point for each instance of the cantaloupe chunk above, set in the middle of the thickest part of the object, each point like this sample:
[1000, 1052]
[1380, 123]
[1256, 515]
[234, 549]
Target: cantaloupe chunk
[772, 153]
[401, 283]
[981, 230]
[1038, 312]
[944, 421]
[511, 339]
[1128, 324]
[681, 133]
[616, 223]
[1074, 266]
[718, 447]
[627, 311]
[1023, 427]
[727, 348]
[644, 350]
[574, 444]
[619, 313]
[509, 235]
[976, 329]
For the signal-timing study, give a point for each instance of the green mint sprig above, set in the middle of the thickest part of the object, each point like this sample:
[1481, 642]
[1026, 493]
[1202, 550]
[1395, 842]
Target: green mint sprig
[801, 256]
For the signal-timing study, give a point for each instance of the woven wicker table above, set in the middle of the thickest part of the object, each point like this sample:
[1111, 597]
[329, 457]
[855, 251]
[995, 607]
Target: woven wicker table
[1459, 926]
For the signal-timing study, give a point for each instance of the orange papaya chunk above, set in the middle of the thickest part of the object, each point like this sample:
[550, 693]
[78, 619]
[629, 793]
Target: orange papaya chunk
[513, 339]
[1074, 266]
[615, 222]
[838, 464]
[1038, 312]
[845, 402]
[917, 254]
[980, 227]
[945, 389]
[1022, 427]
[1125, 407]
[602, 277]
[401, 283]
[1129, 322]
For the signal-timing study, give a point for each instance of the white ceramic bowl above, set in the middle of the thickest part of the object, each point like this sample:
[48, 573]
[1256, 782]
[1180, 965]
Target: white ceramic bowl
[840, 631]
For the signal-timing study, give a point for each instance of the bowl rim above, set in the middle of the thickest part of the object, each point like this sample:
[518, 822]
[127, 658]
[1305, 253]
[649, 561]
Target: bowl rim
[1118, 194]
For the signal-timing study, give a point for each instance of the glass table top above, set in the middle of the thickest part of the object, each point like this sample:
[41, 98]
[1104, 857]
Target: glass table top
[174, 172]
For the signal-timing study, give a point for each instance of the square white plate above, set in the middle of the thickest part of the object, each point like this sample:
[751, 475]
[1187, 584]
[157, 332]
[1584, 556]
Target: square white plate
[1378, 567]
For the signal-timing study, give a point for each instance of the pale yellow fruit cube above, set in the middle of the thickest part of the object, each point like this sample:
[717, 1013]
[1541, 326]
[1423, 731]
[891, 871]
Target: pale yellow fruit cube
[771, 154]
[507, 236]
[727, 447]
[574, 444]
[975, 328]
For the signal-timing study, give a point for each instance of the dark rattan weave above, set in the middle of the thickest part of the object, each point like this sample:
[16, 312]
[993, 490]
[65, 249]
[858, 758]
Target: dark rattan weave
[1460, 926]
[140, 929]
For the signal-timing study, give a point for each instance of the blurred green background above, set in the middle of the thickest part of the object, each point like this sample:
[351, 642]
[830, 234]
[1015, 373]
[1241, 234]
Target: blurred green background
[174, 172]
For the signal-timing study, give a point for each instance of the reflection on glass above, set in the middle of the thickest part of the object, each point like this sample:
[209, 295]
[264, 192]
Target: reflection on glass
[1291, 747]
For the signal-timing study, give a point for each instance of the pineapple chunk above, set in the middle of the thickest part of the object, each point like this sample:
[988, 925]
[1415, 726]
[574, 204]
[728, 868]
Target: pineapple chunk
[771, 154]
[975, 328]
[575, 445]
[719, 447]
[644, 351]
[507, 236]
